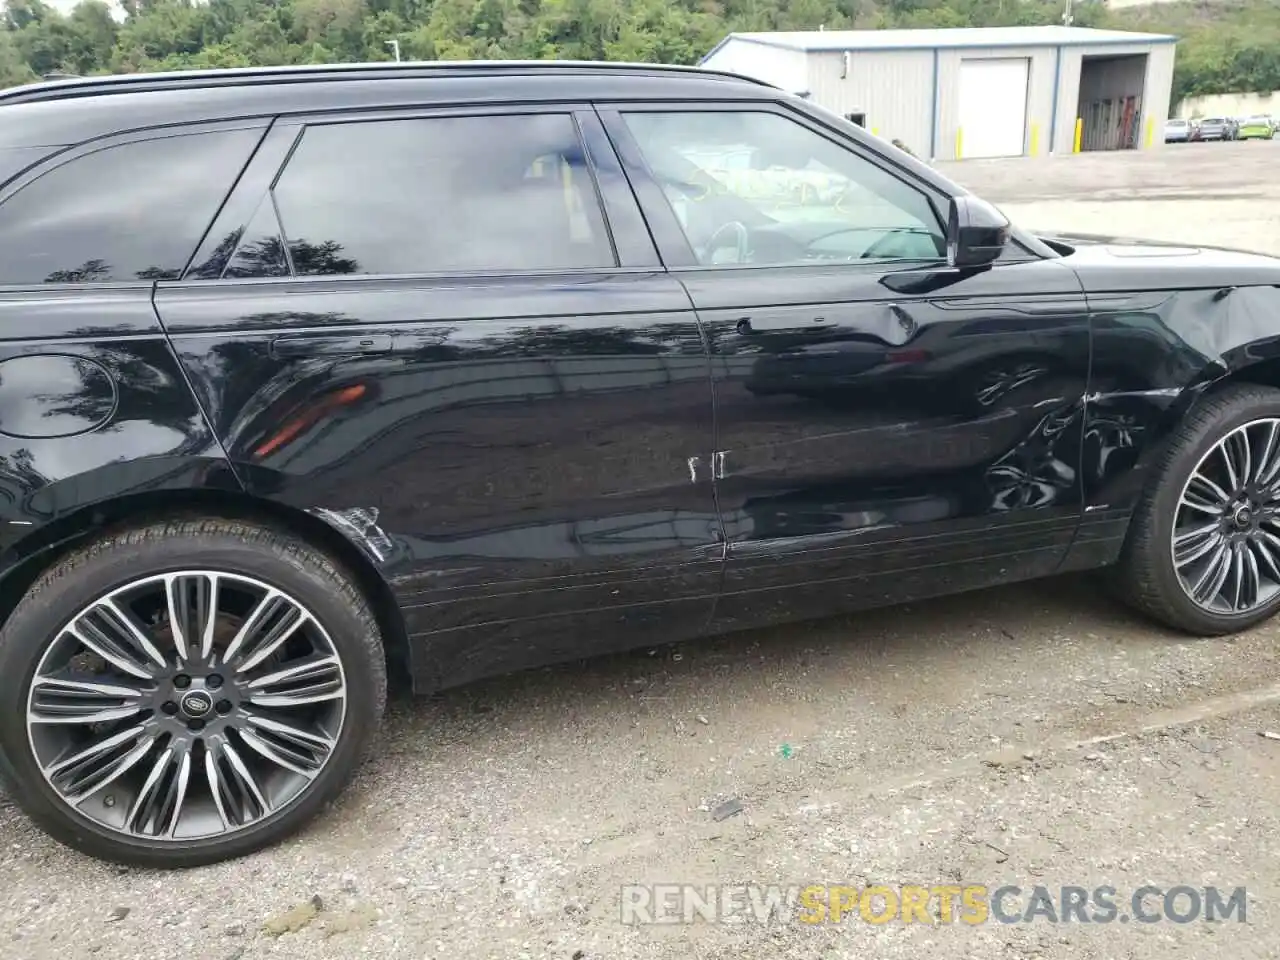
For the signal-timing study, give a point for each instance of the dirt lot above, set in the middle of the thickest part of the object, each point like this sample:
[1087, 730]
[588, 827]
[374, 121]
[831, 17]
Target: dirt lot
[1225, 194]
[1033, 735]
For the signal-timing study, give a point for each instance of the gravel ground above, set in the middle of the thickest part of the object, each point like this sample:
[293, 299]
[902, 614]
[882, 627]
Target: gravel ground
[1028, 735]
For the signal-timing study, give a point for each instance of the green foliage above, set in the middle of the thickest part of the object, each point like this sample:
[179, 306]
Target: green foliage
[1227, 46]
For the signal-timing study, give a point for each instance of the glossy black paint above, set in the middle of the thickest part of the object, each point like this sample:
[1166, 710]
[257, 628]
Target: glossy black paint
[547, 466]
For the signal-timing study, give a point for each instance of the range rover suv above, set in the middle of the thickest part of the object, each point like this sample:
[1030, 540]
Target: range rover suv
[314, 376]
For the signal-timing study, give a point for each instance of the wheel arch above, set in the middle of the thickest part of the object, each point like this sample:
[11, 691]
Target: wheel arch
[42, 547]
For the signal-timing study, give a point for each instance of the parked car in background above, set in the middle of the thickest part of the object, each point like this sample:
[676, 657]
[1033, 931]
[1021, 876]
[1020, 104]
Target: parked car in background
[1259, 127]
[1214, 128]
[1177, 130]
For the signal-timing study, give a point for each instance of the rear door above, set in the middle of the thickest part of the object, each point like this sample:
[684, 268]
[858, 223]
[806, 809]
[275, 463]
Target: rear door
[886, 427]
[447, 333]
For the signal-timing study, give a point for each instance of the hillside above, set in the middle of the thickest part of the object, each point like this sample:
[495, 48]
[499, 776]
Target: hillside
[1228, 46]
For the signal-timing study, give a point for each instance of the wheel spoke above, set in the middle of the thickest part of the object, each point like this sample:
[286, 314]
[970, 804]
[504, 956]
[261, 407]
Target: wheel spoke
[277, 627]
[192, 608]
[1194, 544]
[1202, 490]
[89, 770]
[1224, 448]
[63, 700]
[280, 758]
[217, 787]
[1267, 460]
[1237, 575]
[209, 620]
[266, 609]
[1253, 579]
[1215, 573]
[249, 802]
[145, 811]
[114, 635]
[1267, 547]
[311, 681]
[288, 746]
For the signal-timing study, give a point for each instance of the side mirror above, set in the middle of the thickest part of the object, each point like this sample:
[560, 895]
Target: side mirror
[976, 232]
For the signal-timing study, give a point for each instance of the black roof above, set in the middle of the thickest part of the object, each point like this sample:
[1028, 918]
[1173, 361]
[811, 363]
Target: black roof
[58, 87]
[74, 110]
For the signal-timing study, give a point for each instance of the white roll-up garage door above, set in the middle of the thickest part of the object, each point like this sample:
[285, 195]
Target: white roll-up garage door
[993, 107]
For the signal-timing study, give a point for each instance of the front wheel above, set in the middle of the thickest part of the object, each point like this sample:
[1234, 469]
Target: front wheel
[187, 692]
[1203, 551]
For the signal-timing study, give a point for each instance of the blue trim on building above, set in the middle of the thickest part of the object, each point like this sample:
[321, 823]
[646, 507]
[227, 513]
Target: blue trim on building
[933, 111]
[1053, 117]
[1144, 40]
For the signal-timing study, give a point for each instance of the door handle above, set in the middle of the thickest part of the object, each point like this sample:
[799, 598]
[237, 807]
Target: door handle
[768, 323]
[330, 346]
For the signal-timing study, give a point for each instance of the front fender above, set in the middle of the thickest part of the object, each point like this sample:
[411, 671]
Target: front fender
[1155, 355]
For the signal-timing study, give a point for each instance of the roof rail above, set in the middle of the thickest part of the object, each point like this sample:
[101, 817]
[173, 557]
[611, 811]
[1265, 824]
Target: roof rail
[66, 86]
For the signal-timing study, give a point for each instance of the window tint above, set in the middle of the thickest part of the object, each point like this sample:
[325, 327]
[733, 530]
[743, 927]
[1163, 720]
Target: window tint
[439, 195]
[260, 252]
[130, 212]
[759, 188]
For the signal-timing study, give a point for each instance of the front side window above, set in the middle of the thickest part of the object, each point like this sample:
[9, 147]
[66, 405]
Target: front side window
[758, 188]
[441, 195]
[135, 211]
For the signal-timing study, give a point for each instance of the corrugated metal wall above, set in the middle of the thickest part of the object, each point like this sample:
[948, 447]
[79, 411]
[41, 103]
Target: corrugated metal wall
[894, 88]
[1160, 89]
[1039, 94]
[787, 69]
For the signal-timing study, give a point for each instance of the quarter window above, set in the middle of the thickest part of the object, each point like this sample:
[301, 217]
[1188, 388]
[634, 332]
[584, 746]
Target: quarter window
[758, 188]
[135, 211]
[453, 194]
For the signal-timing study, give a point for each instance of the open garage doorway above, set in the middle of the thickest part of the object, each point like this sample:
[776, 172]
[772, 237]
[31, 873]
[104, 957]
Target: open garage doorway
[1111, 94]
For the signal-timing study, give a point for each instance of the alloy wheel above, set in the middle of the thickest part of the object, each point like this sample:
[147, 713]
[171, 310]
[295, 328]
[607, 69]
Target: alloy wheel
[186, 705]
[1226, 531]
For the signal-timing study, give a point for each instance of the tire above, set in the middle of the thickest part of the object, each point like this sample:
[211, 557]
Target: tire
[303, 663]
[1148, 578]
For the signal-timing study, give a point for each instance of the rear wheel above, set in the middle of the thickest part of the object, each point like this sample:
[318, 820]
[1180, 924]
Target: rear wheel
[187, 692]
[1203, 552]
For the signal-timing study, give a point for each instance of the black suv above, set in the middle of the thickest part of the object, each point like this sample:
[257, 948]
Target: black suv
[314, 375]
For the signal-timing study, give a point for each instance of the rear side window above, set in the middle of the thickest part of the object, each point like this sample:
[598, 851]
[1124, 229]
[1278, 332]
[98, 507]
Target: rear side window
[135, 211]
[440, 195]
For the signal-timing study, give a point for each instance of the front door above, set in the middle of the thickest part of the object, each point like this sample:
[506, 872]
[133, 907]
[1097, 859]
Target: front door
[419, 329]
[886, 427]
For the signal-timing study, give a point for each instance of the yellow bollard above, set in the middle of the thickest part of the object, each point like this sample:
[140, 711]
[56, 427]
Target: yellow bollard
[875, 132]
[959, 142]
[1075, 147]
[1151, 131]
[1035, 140]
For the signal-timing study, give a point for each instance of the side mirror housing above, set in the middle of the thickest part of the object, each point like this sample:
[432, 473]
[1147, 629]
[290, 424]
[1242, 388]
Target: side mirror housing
[976, 232]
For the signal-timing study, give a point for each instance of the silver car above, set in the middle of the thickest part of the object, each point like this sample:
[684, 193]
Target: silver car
[1177, 131]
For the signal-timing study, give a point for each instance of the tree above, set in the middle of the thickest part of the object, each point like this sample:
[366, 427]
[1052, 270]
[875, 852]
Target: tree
[1227, 48]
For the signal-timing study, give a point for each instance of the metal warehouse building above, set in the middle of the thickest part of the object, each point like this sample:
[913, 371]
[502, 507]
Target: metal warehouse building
[986, 92]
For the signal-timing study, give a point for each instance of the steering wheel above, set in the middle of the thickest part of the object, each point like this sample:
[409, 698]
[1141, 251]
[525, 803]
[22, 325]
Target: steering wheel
[742, 240]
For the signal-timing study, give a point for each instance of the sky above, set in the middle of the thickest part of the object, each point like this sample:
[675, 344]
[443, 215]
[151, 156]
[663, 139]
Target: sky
[66, 6]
